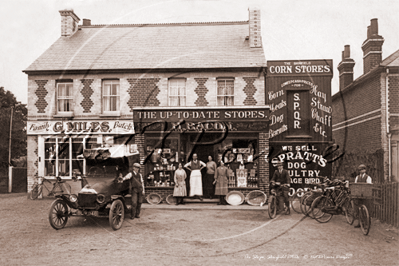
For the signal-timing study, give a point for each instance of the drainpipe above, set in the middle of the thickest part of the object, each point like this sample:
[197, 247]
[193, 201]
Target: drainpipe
[387, 123]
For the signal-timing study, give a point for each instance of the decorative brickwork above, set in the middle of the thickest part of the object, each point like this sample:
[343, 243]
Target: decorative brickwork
[249, 90]
[201, 91]
[263, 164]
[86, 92]
[41, 93]
[393, 85]
[143, 92]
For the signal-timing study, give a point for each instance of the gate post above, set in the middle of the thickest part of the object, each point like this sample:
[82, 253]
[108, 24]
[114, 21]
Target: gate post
[9, 179]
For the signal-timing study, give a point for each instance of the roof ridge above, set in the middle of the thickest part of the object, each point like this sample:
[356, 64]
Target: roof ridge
[167, 24]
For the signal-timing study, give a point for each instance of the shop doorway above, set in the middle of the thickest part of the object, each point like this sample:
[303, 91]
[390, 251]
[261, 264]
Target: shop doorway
[203, 152]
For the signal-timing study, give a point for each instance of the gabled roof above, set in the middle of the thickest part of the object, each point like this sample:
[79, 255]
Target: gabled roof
[392, 60]
[180, 45]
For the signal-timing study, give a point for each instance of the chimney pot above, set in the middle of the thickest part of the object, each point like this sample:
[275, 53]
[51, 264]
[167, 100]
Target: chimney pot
[347, 51]
[368, 32]
[374, 27]
[86, 22]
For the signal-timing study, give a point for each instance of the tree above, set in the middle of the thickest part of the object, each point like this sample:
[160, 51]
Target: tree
[18, 141]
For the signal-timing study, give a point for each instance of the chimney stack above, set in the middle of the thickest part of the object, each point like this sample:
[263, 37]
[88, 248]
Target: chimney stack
[345, 68]
[69, 22]
[372, 47]
[86, 22]
[255, 38]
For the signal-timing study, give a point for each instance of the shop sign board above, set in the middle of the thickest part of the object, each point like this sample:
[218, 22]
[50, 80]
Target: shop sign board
[200, 114]
[80, 127]
[307, 164]
[299, 95]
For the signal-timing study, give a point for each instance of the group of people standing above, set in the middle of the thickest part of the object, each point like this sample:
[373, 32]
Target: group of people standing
[217, 174]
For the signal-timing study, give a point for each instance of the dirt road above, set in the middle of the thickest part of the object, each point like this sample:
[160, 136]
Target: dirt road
[187, 237]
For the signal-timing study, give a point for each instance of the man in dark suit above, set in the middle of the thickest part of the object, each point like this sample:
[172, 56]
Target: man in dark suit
[136, 190]
[283, 177]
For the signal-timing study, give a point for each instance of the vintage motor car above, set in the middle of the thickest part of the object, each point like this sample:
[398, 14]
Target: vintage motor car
[103, 194]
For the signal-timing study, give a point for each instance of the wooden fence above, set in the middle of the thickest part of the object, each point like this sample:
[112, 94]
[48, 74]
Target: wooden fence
[385, 205]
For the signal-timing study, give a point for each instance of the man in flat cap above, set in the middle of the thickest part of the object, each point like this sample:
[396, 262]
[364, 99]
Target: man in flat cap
[281, 175]
[361, 178]
[136, 190]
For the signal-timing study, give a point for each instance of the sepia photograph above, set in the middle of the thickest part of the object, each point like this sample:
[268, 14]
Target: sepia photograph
[199, 132]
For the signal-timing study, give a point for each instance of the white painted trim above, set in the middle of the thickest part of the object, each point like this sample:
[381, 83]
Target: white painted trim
[365, 120]
[393, 114]
[372, 52]
[357, 117]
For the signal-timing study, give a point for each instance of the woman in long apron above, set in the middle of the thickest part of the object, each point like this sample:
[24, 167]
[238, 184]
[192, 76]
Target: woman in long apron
[180, 185]
[195, 166]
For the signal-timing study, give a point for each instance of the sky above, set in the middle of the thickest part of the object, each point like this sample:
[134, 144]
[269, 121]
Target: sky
[291, 29]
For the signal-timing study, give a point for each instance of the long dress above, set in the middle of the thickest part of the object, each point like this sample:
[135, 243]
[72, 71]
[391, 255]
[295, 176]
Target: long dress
[208, 179]
[180, 181]
[195, 178]
[221, 187]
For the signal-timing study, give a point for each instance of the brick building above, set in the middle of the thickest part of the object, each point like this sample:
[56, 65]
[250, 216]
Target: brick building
[366, 111]
[107, 85]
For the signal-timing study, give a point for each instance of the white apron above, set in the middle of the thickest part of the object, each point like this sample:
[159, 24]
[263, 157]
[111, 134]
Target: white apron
[195, 183]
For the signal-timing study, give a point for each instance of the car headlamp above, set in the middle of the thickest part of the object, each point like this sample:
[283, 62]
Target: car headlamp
[73, 198]
[100, 198]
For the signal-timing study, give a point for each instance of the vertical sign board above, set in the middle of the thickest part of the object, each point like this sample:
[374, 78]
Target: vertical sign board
[299, 95]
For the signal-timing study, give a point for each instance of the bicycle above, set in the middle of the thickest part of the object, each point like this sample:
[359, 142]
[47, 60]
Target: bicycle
[273, 202]
[334, 201]
[362, 214]
[46, 188]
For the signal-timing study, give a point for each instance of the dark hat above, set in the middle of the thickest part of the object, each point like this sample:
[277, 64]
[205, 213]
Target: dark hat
[137, 165]
[362, 167]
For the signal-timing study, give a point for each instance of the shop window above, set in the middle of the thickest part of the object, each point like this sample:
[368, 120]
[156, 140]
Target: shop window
[64, 97]
[61, 156]
[225, 92]
[177, 92]
[110, 94]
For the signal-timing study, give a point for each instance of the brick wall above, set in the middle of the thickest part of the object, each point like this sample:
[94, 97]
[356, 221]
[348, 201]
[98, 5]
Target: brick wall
[32, 160]
[363, 136]
[263, 164]
[139, 90]
[393, 85]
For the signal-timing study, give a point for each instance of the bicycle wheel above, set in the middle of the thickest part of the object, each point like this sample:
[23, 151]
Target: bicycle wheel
[46, 188]
[272, 207]
[349, 211]
[303, 203]
[296, 203]
[364, 220]
[34, 192]
[318, 206]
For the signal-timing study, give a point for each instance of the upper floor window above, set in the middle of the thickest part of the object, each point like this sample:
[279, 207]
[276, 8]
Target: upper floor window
[64, 97]
[177, 92]
[110, 95]
[225, 92]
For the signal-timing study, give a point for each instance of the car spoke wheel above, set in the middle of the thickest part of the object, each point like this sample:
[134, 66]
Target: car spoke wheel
[349, 211]
[116, 214]
[317, 208]
[364, 219]
[272, 207]
[58, 215]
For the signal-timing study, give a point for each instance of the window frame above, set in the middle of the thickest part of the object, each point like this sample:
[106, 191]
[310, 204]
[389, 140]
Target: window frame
[179, 97]
[224, 96]
[68, 98]
[117, 95]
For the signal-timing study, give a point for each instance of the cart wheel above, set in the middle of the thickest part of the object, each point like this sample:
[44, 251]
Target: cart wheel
[116, 214]
[364, 220]
[272, 207]
[58, 215]
[350, 211]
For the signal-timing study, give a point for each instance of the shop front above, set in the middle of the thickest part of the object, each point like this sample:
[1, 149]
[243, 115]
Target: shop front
[236, 135]
[300, 121]
[62, 146]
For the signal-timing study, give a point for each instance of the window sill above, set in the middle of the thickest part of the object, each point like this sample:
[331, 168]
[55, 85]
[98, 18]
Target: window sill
[66, 114]
[110, 114]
